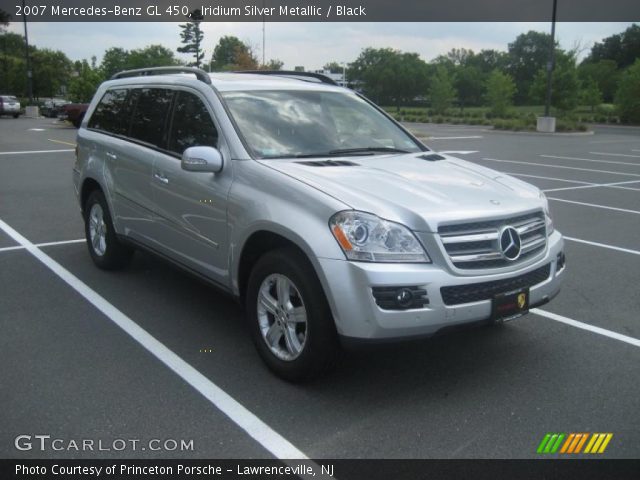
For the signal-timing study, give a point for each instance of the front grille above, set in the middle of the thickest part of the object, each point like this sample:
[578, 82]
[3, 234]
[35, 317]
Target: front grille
[476, 245]
[476, 292]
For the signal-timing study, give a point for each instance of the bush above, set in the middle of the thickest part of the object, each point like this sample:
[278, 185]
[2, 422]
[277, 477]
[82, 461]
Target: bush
[628, 95]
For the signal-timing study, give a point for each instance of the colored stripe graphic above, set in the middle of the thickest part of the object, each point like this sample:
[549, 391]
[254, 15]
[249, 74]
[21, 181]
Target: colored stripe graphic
[551, 442]
[598, 443]
[572, 443]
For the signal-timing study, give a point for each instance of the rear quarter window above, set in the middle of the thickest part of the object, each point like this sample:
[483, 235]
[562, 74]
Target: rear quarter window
[110, 114]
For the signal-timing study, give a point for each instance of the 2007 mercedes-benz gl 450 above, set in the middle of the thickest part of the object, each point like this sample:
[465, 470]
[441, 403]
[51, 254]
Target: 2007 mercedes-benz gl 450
[328, 220]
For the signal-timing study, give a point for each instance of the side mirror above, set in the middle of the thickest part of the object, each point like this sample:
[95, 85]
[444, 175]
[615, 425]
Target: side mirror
[202, 159]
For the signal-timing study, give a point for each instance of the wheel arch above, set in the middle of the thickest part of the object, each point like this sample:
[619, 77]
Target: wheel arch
[262, 241]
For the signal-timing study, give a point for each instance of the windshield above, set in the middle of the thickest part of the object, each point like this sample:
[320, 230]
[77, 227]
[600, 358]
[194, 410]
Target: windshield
[300, 123]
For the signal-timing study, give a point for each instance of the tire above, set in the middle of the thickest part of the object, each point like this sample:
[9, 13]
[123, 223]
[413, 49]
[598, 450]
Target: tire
[282, 322]
[106, 251]
[16, 115]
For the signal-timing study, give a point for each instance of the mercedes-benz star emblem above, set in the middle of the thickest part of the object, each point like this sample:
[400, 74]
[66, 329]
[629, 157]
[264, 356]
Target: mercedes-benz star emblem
[510, 243]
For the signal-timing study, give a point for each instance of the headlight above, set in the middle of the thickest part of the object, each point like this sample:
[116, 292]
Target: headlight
[366, 238]
[547, 213]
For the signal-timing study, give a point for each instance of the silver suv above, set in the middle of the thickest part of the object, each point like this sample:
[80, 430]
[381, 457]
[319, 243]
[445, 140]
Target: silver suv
[325, 218]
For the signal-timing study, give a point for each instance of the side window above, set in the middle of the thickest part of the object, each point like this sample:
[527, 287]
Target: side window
[110, 115]
[150, 114]
[192, 124]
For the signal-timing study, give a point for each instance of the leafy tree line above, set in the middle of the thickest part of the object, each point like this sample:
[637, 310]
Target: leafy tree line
[463, 78]
[55, 74]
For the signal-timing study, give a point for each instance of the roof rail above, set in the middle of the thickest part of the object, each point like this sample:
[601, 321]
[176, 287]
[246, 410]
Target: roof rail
[141, 72]
[304, 76]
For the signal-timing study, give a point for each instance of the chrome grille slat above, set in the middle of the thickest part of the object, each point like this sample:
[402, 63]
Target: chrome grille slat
[474, 237]
[475, 245]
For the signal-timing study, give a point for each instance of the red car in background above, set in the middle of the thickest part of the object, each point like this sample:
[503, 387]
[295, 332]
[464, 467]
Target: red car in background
[73, 112]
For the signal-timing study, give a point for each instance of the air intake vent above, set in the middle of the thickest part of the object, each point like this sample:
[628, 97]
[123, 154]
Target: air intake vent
[329, 163]
[432, 157]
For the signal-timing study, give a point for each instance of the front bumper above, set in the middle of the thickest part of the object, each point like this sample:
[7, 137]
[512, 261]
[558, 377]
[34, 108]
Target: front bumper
[349, 291]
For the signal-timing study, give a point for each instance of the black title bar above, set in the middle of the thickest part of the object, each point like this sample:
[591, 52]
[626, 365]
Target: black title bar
[322, 10]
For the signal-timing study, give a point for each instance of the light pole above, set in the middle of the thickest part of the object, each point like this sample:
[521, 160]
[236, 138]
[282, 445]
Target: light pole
[263, 35]
[27, 57]
[550, 65]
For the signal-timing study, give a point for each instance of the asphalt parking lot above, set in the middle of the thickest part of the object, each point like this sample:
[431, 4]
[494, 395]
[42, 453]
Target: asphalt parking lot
[170, 354]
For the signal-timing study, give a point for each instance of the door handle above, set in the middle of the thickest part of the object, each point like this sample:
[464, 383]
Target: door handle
[161, 178]
[111, 155]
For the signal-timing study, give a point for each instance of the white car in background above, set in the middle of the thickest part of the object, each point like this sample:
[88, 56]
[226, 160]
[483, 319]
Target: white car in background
[9, 105]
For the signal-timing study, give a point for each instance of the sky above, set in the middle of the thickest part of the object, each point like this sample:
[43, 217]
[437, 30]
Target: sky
[309, 44]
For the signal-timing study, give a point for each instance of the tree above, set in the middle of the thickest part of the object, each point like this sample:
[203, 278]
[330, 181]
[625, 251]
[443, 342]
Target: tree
[273, 64]
[114, 60]
[628, 95]
[604, 73]
[191, 36]
[333, 67]
[151, 56]
[390, 76]
[565, 86]
[527, 55]
[442, 92]
[489, 60]
[590, 94]
[4, 19]
[469, 85]
[117, 59]
[230, 52]
[623, 48]
[85, 83]
[51, 72]
[500, 91]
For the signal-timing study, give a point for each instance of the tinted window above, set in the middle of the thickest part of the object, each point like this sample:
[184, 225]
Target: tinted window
[150, 114]
[110, 115]
[192, 124]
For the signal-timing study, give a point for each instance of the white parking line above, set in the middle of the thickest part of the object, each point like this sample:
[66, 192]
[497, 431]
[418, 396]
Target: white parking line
[614, 154]
[563, 167]
[455, 138]
[271, 440]
[595, 205]
[48, 244]
[602, 245]
[547, 178]
[457, 152]
[593, 185]
[28, 152]
[585, 326]
[591, 160]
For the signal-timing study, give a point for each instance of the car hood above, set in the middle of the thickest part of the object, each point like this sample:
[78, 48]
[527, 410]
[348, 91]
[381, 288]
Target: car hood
[415, 191]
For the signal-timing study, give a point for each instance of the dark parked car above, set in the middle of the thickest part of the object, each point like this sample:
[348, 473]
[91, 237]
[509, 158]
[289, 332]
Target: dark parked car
[53, 108]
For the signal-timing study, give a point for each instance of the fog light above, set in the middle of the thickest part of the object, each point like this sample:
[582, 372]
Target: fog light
[404, 297]
[400, 298]
[560, 261]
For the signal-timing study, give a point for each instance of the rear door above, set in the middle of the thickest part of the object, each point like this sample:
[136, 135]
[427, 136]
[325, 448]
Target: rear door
[192, 206]
[134, 121]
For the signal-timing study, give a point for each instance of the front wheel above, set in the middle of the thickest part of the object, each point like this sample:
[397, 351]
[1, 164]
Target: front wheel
[290, 320]
[106, 251]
